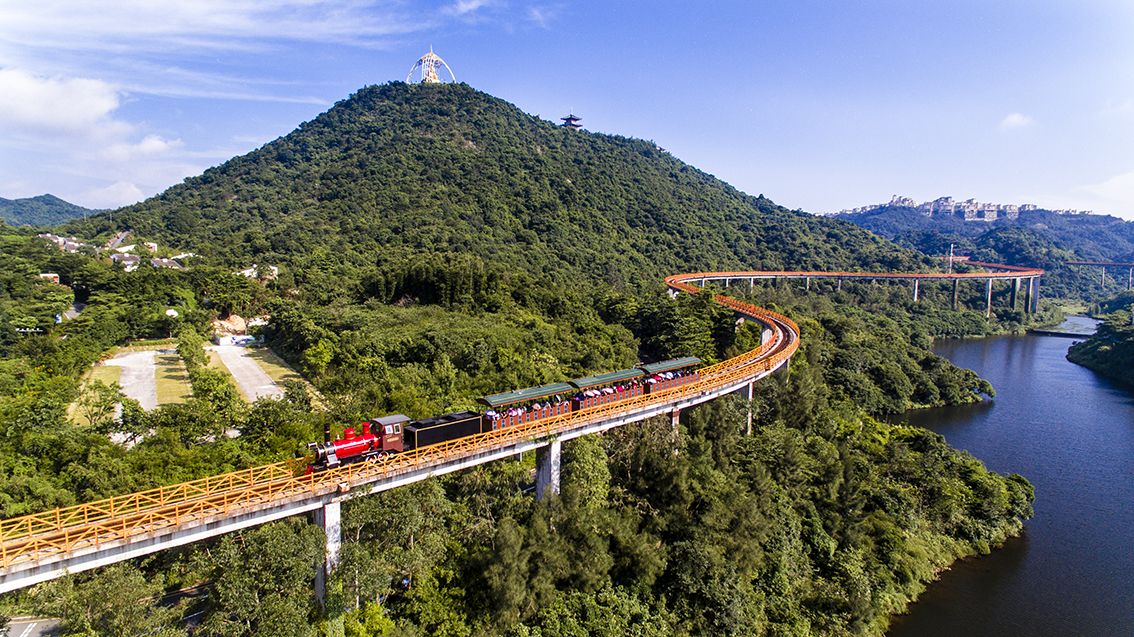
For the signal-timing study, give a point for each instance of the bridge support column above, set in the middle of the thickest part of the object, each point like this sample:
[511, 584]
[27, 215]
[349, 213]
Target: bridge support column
[1015, 291]
[675, 419]
[1035, 295]
[751, 284]
[839, 285]
[1130, 280]
[915, 283]
[330, 519]
[956, 285]
[548, 462]
[751, 390]
[988, 305]
[807, 284]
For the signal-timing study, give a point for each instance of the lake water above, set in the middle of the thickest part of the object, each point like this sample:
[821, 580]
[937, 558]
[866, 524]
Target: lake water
[1071, 433]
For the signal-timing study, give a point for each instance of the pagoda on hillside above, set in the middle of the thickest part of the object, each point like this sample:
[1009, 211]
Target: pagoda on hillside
[571, 122]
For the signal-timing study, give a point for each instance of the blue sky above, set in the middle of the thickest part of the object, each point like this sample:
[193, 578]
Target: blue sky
[820, 105]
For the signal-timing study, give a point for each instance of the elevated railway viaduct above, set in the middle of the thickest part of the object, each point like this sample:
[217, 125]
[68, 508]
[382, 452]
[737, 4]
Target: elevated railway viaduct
[41, 546]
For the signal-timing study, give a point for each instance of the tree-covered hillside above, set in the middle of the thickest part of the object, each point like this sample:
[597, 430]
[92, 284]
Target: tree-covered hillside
[399, 170]
[44, 210]
[1038, 238]
[436, 245]
[1110, 351]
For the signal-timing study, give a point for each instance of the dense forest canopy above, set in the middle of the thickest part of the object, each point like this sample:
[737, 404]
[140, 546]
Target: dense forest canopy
[399, 170]
[437, 244]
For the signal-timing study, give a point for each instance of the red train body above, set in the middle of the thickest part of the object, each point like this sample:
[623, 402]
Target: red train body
[374, 439]
[387, 435]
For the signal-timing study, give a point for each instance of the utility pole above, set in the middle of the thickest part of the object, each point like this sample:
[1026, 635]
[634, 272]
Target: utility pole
[950, 269]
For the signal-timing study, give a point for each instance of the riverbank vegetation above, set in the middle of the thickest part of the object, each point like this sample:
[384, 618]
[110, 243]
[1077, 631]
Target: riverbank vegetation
[1110, 351]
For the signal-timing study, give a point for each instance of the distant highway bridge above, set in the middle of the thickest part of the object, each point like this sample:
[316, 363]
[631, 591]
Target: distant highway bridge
[41, 546]
[1103, 265]
[1015, 275]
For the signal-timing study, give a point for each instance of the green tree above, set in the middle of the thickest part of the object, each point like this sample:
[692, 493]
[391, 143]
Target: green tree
[117, 600]
[97, 402]
[262, 580]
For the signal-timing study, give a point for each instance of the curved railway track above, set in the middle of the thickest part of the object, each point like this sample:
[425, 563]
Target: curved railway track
[43, 545]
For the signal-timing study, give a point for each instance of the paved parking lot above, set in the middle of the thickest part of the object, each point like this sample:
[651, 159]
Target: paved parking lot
[139, 376]
[28, 627]
[254, 382]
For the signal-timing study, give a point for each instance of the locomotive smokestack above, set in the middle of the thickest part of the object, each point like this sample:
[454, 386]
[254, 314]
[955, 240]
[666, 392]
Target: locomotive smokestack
[327, 433]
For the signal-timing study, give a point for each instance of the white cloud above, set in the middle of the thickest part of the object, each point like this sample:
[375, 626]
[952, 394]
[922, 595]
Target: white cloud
[462, 7]
[1115, 195]
[540, 16]
[134, 25]
[1016, 120]
[77, 78]
[149, 146]
[85, 152]
[54, 105]
[120, 193]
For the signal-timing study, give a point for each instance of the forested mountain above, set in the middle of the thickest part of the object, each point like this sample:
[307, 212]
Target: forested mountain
[44, 210]
[405, 169]
[436, 245]
[1039, 238]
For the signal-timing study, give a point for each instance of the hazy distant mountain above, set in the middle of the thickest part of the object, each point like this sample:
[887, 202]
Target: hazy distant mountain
[44, 210]
[1094, 237]
[1036, 237]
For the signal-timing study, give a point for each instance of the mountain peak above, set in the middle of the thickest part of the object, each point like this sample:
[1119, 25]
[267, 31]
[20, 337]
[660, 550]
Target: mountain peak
[401, 172]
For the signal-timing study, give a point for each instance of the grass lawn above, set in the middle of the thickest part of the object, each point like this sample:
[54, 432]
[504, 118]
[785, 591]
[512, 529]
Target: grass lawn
[146, 344]
[278, 369]
[273, 365]
[215, 361]
[106, 373]
[172, 379]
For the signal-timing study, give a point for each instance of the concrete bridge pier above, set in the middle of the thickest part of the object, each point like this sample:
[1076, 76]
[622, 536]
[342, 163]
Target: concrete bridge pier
[548, 463]
[807, 284]
[956, 286]
[1015, 291]
[751, 390]
[1035, 295]
[330, 519]
[1130, 279]
[915, 283]
[839, 285]
[988, 306]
